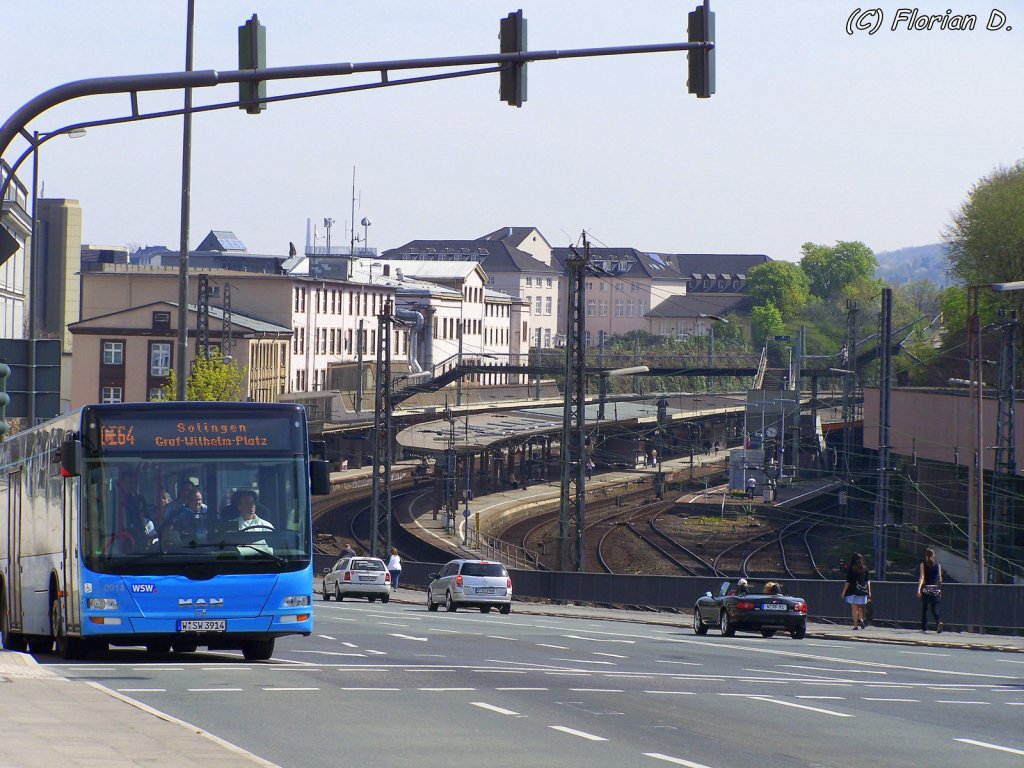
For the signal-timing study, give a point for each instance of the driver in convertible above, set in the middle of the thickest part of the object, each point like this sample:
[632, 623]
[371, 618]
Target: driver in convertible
[245, 502]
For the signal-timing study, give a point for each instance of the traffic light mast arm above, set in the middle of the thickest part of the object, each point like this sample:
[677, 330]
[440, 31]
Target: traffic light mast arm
[169, 81]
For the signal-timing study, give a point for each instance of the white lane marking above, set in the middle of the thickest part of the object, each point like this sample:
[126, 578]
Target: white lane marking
[687, 663]
[901, 701]
[522, 689]
[925, 653]
[558, 647]
[822, 698]
[674, 693]
[1014, 703]
[444, 690]
[141, 690]
[376, 653]
[330, 653]
[492, 708]
[598, 639]
[568, 674]
[841, 671]
[611, 655]
[368, 689]
[959, 701]
[427, 669]
[674, 760]
[408, 637]
[499, 637]
[289, 689]
[888, 685]
[597, 690]
[574, 732]
[213, 690]
[350, 645]
[392, 624]
[1011, 750]
[584, 661]
[801, 706]
[327, 637]
[1011, 661]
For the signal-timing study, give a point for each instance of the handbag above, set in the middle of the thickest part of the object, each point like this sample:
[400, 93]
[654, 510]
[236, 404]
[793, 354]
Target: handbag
[932, 590]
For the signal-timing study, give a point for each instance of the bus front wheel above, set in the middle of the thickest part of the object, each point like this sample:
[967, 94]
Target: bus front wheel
[258, 650]
[67, 647]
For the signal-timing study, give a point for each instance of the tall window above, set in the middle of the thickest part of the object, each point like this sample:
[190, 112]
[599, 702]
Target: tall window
[620, 308]
[160, 358]
[113, 354]
[112, 395]
[602, 308]
[547, 306]
[538, 304]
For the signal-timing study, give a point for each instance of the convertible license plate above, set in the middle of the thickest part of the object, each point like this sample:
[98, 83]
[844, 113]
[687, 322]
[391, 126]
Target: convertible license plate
[772, 607]
[202, 625]
[485, 590]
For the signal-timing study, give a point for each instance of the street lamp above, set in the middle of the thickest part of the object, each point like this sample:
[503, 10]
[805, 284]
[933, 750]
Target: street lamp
[35, 268]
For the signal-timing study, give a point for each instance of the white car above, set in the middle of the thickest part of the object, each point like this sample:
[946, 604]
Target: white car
[358, 577]
[479, 584]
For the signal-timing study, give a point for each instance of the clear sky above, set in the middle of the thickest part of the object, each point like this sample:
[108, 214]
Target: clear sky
[814, 134]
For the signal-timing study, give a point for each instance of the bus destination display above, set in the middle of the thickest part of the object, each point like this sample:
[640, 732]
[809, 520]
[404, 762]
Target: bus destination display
[200, 434]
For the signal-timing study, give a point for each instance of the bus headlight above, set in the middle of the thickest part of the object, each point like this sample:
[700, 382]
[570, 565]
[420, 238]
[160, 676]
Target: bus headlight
[296, 601]
[102, 604]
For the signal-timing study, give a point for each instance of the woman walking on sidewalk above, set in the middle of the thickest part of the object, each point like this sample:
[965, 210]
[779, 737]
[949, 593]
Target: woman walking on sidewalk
[857, 589]
[395, 567]
[929, 589]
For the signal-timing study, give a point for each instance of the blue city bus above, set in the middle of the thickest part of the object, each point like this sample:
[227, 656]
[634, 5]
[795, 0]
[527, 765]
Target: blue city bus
[118, 526]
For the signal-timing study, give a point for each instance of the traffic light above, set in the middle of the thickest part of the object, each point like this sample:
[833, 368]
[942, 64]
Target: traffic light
[513, 75]
[700, 29]
[5, 399]
[252, 54]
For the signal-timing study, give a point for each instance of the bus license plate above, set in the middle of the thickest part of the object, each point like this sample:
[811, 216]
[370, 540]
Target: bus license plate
[202, 625]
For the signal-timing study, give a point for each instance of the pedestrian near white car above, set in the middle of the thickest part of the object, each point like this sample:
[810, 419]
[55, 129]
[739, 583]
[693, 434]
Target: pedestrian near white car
[395, 567]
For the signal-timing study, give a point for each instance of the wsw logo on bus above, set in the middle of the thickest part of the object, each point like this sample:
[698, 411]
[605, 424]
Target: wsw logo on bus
[143, 588]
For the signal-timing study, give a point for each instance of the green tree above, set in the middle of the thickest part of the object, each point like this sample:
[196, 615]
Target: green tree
[765, 321]
[986, 236]
[832, 269]
[212, 378]
[779, 283]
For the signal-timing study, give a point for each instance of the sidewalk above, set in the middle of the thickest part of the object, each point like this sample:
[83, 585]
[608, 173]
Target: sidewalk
[50, 720]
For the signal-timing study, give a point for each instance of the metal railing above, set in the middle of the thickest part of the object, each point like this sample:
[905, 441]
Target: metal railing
[492, 548]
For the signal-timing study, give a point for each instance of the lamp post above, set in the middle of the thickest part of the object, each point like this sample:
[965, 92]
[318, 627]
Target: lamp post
[35, 267]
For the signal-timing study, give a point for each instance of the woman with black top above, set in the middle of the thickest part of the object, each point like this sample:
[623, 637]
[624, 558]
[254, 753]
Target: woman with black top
[929, 589]
[857, 589]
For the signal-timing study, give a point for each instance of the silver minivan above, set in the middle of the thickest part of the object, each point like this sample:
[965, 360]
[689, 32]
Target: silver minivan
[470, 583]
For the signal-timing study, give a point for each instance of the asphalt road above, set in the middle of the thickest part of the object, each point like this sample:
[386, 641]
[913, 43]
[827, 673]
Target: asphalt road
[388, 685]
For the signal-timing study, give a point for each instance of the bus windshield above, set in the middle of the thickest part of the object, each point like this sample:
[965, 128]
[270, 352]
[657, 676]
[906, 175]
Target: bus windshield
[195, 515]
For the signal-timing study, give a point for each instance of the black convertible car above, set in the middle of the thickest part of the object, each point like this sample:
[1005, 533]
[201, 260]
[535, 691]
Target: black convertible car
[737, 608]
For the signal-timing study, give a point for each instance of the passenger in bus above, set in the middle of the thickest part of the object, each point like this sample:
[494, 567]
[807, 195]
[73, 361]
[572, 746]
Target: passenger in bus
[190, 521]
[133, 510]
[245, 501]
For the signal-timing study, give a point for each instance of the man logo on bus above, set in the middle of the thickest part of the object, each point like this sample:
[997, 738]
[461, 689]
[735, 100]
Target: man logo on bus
[200, 602]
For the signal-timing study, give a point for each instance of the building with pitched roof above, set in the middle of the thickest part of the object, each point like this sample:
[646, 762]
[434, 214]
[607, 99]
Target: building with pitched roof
[517, 262]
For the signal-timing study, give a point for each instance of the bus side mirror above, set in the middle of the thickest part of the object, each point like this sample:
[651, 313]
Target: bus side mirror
[70, 457]
[319, 477]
